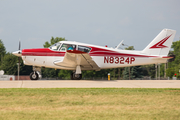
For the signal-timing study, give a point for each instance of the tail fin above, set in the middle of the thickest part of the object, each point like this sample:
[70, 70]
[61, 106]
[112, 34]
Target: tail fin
[161, 43]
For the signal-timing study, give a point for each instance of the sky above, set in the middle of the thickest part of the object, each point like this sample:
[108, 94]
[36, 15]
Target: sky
[98, 22]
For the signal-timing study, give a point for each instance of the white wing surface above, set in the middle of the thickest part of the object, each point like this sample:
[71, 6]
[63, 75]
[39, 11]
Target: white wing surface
[75, 58]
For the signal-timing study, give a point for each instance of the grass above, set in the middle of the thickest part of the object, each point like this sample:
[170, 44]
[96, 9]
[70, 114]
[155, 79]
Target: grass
[89, 103]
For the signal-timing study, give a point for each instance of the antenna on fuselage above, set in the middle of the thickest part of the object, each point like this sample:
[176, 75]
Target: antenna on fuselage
[121, 43]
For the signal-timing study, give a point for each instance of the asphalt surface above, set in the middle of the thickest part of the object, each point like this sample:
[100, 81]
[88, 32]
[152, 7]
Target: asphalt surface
[91, 84]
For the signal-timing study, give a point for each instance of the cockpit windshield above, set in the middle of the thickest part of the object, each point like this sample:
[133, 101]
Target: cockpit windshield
[55, 46]
[66, 47]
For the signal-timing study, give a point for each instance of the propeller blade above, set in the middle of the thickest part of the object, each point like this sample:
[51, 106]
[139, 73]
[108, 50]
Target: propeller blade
[19, 47]
[19, 60]
[18, 67]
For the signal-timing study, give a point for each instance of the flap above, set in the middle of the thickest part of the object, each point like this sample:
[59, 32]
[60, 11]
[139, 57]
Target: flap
[73, 58]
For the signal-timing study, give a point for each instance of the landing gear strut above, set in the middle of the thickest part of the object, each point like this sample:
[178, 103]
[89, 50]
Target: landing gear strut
[36, 74]
[76, 76]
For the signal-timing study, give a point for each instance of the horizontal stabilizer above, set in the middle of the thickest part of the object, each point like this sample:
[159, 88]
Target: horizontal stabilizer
[164, 57]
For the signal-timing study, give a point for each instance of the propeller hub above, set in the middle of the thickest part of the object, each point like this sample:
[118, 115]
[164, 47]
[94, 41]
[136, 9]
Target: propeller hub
[17, 53]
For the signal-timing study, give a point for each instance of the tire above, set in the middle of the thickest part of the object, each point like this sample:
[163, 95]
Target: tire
[77, 76]
[34, 76]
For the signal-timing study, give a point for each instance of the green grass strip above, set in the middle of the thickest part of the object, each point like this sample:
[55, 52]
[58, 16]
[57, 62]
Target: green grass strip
[89, 103]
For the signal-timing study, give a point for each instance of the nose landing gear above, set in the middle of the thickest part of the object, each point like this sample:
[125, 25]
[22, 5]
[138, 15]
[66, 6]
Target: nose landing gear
[36, 74]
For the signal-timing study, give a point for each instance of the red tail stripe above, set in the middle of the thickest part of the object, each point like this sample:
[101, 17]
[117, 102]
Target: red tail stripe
[160, 43]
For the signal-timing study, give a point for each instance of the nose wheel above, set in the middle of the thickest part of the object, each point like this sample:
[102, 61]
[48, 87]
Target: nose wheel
[76, 76]
[34, 76]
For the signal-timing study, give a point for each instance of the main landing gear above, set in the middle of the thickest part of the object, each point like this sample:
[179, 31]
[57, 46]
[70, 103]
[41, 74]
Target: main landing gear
[36, 74]
[75, 76]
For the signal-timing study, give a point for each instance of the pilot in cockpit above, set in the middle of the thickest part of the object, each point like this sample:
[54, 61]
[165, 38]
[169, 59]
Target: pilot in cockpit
[70, 47]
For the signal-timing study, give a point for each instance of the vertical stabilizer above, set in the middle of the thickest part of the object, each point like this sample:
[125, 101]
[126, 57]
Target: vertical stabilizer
[161, 44]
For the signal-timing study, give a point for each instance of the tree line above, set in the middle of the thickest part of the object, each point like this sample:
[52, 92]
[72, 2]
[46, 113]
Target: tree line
[9, 65]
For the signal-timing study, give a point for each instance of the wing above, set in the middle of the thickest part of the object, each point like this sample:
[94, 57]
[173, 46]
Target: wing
[74, 58]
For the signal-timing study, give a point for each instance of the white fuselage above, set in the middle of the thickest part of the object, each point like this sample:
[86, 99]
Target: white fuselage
[104, 57]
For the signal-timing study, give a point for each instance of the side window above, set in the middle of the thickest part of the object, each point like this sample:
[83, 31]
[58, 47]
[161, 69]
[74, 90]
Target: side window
[84, 49]
[66, 47]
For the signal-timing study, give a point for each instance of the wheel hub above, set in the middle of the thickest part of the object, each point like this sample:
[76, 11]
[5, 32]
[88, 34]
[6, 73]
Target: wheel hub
[34, 76]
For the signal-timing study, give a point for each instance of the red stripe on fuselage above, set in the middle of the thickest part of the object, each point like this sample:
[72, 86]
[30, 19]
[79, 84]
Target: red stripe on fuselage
[104, 52]
[41, 52]
[95, 51]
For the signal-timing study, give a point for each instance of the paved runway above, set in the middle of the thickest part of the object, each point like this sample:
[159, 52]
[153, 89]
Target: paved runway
[91, 84]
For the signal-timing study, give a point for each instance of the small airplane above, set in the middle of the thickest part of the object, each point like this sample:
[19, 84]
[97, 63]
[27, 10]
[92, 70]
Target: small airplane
[77, 56]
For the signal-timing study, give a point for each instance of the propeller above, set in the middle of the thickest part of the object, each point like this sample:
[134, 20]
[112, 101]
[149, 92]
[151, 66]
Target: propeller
[19, 52]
